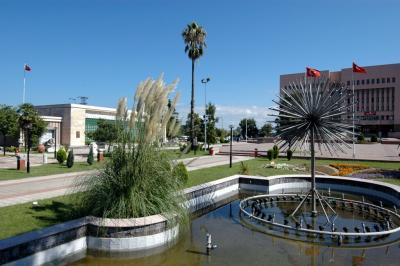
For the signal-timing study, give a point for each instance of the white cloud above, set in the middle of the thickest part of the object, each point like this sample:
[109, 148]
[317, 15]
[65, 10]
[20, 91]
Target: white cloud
[232, 114]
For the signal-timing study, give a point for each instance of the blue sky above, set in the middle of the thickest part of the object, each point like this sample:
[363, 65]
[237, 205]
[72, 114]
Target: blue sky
[103, 49]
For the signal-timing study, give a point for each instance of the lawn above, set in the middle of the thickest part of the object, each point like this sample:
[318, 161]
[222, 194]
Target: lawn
[22, 218]
[47, 169]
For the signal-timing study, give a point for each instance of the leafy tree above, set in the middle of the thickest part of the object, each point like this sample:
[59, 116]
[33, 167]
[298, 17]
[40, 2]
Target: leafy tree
[212, 120]
[8, 123]
[194, 37]
[28, 115]
[106, 132]
[197, 127]
[61, 155]
[70, 159]
[252, 130]
[90, 158]
[266, 130]
[222, 134]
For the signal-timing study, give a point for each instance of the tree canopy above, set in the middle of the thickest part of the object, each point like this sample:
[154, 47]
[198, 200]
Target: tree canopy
[266, 130]
[8, 123]
[252, 130]
[29, 116]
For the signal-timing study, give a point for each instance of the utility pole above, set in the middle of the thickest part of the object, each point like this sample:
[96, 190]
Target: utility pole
[205, 81]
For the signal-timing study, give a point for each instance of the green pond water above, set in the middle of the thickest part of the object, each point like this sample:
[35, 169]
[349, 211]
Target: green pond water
[241, 244]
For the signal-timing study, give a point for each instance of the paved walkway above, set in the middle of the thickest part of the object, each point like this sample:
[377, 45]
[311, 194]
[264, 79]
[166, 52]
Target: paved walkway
[376, 151]
[35, 188]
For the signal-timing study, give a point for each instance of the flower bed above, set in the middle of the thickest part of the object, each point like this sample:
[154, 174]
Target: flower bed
[346, 168]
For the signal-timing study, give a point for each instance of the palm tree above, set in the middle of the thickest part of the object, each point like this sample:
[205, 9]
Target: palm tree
[194, 37]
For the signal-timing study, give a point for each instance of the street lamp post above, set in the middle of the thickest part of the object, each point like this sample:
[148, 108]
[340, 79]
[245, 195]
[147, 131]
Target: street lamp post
[28, 128]
[205, 81]
[230, 150]
[246, 130]
[55, 143]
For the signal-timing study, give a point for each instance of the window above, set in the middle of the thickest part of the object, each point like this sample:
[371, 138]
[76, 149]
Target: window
[393, 80]
[383, 80]
[372, 81]
[348, 83]
[387, 80]
[78, 134]
[378, 81]
[367, 81]
[358, 82]
[362, 82]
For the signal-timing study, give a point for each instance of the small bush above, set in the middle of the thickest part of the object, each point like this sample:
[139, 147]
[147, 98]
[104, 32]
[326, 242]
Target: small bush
[90, 158]
[270, 153]
[289, 154]
[70, 159]
[374, 138]
[360, 137]
[11, 149]
[275, 151]
[180, 172]
[244, 168]
[61, 155]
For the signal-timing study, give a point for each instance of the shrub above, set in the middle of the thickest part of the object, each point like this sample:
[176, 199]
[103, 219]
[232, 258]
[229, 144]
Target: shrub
[289, 154]
[179, 171]
[61, 155]
[270, 153]
[90, 158]
[244, 168]
[11, 149]
[374, 138]
[70, 159]
[138, 180]
[361, 137]
[275, 151]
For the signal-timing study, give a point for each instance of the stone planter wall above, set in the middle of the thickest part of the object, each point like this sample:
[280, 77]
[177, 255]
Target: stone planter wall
[61, 240]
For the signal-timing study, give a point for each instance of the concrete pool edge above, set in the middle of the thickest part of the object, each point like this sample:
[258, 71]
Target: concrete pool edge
[61, 240]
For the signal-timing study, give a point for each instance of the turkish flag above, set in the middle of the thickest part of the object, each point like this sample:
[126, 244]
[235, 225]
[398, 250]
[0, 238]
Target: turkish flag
[27, 68]
[312, 72]
[358, 69]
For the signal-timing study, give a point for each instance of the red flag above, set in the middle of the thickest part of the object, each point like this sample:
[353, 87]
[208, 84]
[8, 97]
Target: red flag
[312, 72]
[27, 68]
[358, 69]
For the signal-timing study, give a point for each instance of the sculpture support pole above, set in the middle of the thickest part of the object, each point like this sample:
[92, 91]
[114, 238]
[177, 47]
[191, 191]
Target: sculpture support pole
[313, 190]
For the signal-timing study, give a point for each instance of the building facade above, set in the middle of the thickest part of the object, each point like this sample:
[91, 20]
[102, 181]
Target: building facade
[377, 96]
[75, 121]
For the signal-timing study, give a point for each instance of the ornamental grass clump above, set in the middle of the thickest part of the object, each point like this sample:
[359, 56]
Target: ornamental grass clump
[138, 179]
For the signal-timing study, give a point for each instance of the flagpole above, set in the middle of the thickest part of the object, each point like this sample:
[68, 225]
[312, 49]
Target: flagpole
[23, 93]
[352, 83]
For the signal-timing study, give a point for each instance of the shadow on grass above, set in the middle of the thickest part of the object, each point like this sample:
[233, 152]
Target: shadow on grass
[56, 212]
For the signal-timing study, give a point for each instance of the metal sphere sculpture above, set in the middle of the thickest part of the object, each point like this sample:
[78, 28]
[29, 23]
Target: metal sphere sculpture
[311, 112]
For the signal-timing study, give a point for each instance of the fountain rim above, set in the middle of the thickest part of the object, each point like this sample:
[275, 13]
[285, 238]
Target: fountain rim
[343, 234]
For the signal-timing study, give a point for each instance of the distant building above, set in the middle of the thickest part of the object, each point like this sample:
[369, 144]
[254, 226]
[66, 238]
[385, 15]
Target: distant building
[377, 97]
[71, 122]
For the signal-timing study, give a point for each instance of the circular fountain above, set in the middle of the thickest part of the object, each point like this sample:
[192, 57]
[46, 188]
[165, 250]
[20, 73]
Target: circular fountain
[312, 113]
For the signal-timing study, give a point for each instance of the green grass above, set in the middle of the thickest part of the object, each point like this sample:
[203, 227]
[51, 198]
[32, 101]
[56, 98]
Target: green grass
[22, 218]
[389, 180]
[47, 169]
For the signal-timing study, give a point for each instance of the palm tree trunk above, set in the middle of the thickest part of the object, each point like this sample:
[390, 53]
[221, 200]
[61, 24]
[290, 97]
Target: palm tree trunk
[192, 107]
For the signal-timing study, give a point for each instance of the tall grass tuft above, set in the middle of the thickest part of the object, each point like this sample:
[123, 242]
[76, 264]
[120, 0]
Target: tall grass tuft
[138, 179]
